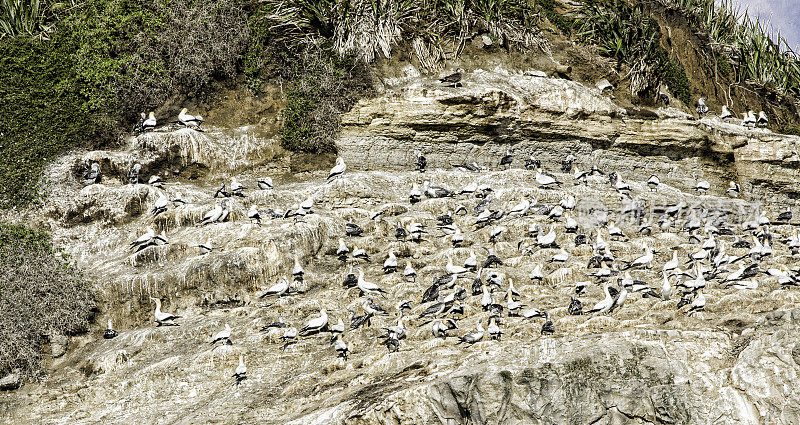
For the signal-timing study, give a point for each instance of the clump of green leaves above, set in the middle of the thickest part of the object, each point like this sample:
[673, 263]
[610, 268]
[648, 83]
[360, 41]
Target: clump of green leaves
[629, 35]
[40, 295]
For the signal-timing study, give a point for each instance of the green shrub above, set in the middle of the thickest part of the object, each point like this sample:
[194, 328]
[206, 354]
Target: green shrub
[563, 22]
[40, 294]
[322, 86]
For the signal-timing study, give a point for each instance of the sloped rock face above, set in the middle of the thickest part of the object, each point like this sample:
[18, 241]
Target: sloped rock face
[648, 363]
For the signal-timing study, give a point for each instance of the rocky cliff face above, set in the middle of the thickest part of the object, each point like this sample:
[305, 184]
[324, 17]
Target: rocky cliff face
[735, 363]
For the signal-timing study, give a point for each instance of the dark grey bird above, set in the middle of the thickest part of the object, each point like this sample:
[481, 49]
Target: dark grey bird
[575, 307]
[566, 163]
[421, 162]
[110, 333]
[548, 328]
[532, 163]
[507, 159]
[353, 230]
[454, 78]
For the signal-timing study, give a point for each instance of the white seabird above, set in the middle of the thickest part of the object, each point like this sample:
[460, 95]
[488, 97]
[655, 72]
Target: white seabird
[337, 169]
[316, 324]
[165, 319]
[223, 335]
[254, 215]
[605, 304]
[265, 183]
[653, 182]
[473, 337]
[161, 204]
[545, 180]
[241, 371]
[189, 120]
[110, 333]
[280, 288]
[213, 215]
[368, 287]
[341, 347]
[206, 247]
[726, 114]
[762, 119]
[150, 122]
[749, 119]
[297, 270]
[409, 273]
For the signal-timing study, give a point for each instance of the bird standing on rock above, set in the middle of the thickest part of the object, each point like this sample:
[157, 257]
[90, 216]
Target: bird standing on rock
[454, 78]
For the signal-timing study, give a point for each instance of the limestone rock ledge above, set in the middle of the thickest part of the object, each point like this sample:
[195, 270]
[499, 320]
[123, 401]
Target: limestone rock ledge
[550, 118]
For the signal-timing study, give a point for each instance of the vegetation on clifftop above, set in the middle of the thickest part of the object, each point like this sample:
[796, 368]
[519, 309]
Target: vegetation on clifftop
[40, 295]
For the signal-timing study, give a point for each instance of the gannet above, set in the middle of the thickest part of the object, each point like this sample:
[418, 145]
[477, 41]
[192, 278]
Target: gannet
[165, 319]
[521, 208]
[92, 174]
[435, 191]
[536, 273]
[280, 288]
[289, 336]
[206, 247]
[644, 260]
[236, 188]
[605, 304]
[316, 324]
[254, 215]
[342, 251]
[440, 328]
[702, 109]
[352, 230]
[532, 163]
[457, 237]
[547, 239]
[545, 180]
[265, 183]
[138, 128]
[213, 215]
[473, 337]
[749, 119]
[156, 181]
[337, 169]
[506, 159]
[241, 371]
[702, 186]
[673, 263]
[561, 257]
[409, 274]
[415, 195]
[454, 78]
[421, 162]
[496, 232]
[223, 335]
[575, 307]
[453, 269]
[368, 287]
[110, 333]
[726, 114]
[570, 224]
[471, 263]
[567, 202]
[297, 270]
[762, 119]
[150, 123]
[785, 215]
[566, 163]
[469, 189]
[360, 253]
[189, 120]
[390, 265]
[133, 173]
[653, 182]
[532, 313]
[145, 239]
[666, 287]
[494, 331]
[161, 204]
[699, 303]
[548, 328]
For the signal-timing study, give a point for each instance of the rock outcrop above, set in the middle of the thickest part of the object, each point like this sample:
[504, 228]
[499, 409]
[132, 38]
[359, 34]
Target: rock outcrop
[648, 363]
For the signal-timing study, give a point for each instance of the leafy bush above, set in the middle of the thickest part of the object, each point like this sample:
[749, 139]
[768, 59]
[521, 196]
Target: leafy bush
[323, 86]
[628, 34]
[40, 294]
